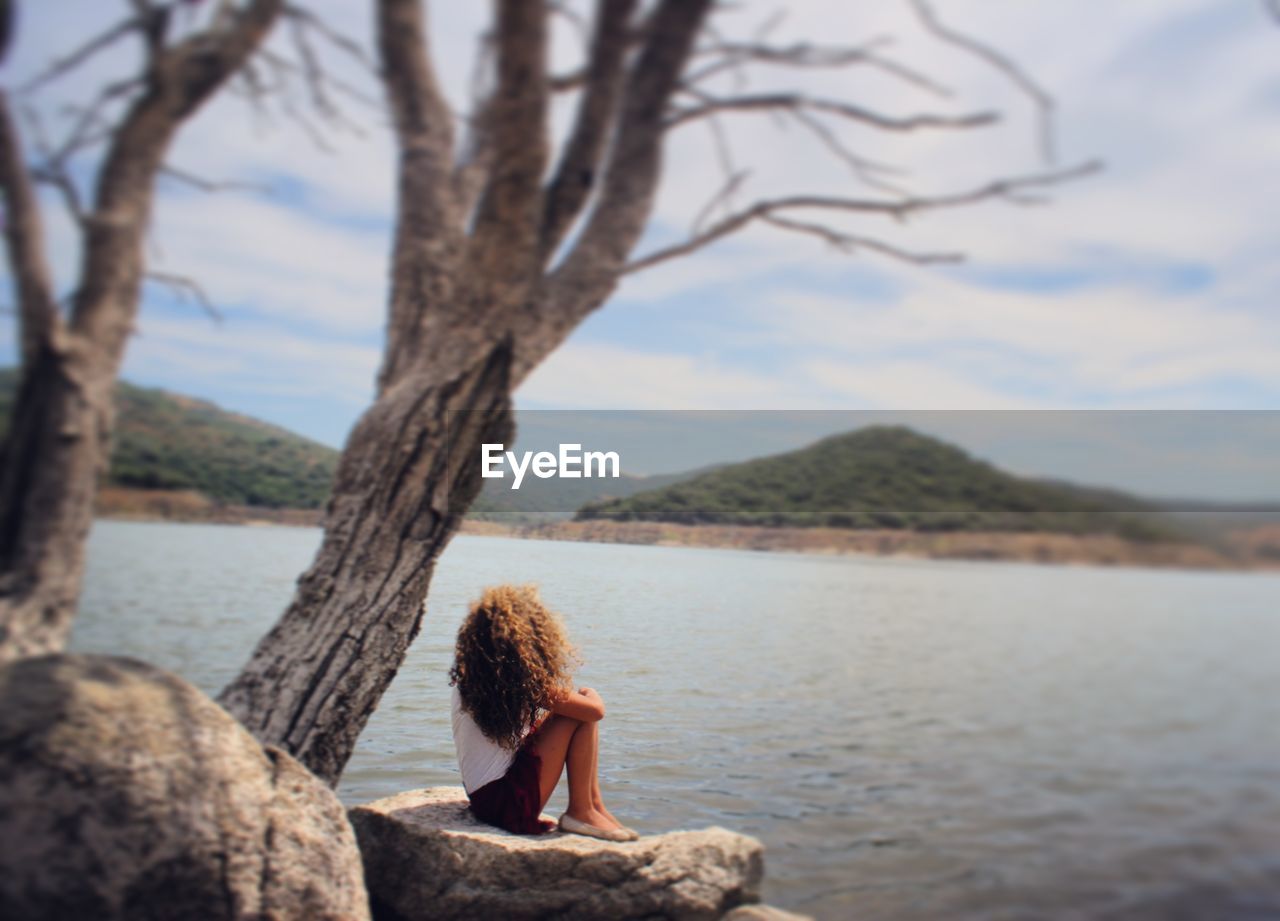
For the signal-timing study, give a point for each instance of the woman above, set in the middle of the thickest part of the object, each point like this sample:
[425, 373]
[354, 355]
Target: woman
[511, 667]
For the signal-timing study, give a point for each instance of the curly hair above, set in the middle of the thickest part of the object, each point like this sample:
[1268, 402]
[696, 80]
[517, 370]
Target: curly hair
[513, 659]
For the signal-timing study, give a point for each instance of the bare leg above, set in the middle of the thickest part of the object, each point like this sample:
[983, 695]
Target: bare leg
[597, 801]
[564, 742]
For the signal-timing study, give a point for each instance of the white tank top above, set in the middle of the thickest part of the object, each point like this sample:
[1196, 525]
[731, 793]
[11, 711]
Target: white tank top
[480, 759]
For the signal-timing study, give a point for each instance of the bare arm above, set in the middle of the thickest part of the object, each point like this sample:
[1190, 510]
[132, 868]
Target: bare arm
[583, 704]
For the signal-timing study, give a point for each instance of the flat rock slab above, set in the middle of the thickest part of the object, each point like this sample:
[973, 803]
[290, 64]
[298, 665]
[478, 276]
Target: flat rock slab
[426, 856]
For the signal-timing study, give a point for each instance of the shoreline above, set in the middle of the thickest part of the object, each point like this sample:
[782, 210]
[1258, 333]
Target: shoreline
[1251, 553]
[1255, 549]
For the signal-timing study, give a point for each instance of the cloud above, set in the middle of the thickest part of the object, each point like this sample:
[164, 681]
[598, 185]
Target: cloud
[1152, 284]
[594, 375]
[276, 260]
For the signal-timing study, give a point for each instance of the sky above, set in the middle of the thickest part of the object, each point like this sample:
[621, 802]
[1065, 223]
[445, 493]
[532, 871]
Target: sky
[1152, 285]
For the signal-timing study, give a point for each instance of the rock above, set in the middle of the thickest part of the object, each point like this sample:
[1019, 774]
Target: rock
[426, 856]
[763, 913]
[126, 792]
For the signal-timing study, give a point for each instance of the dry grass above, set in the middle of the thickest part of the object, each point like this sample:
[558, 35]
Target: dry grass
[1246, 550]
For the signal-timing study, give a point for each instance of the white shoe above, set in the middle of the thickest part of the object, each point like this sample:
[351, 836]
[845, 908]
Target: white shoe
[576, 827]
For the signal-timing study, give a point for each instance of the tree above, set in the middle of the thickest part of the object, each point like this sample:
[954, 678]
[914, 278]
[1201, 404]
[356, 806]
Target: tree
[493, 267]
[60, 434]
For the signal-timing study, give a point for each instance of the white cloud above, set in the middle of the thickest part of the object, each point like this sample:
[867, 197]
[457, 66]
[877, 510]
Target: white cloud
[253, 359]
[1177, 96]
[910, 385]
[276, 259]
[597, 376]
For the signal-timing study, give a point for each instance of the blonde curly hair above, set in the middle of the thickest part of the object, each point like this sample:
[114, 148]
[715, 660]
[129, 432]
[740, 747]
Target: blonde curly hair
[513, 658]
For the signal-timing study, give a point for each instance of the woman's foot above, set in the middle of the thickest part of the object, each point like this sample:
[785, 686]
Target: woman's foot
[599, 807]
[596, 829]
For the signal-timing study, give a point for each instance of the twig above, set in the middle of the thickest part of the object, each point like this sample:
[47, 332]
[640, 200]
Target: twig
[1011, 190]
[868, 171]
[306, 18]
[65, 64]
[1044, 102]
[52, 170]
[563, 83]
[186, 289]
[212, 185]
[90, 117]
[797, 101]
[849, 243]
[722, 197]
[736, 55]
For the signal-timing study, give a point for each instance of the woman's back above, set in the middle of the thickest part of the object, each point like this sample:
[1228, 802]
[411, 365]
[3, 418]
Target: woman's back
[480, 759]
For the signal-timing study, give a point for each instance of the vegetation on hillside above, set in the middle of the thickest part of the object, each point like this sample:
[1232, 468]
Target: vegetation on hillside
[884, 477]
[543, 500]
[172, 442]
[874, 478]
[166, 442]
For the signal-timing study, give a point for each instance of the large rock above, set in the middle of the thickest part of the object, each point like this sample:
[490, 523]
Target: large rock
[763, 913]
[126, 792]
[425, 856]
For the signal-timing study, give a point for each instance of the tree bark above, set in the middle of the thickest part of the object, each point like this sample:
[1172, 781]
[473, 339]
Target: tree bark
[471, 312]
[401, 488]
[59, 442]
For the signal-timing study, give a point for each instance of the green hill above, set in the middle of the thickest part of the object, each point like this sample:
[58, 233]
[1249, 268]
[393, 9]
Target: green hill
[539, 499]
[885, 477]
[872, 478]
[165, 440]
[168, 441]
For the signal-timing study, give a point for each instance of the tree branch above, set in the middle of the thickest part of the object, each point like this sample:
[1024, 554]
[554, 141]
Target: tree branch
[343, 43]
[429, 235]
[576, 173]
[775, 102]
[1044, 102]
[24, 237]
[723, 197]
[1012, 190]
[504, 240]
[179, 80]
[850, 243]
[589, 272]
[211, 185]
[316, 79]
[70, 61]
[186, 288]
[869, 171]
[736, 55]
[53, 169]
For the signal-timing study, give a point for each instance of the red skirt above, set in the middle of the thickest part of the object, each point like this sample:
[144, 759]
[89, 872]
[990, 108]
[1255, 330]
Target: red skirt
[514, 801]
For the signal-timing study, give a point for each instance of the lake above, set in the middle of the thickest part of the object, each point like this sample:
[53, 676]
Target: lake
[909, 738]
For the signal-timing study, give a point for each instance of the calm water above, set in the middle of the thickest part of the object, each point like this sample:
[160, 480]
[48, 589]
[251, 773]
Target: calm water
[909, 739]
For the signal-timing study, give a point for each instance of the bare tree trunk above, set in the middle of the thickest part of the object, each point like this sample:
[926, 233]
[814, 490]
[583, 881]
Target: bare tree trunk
[60, 440]
[400, 491]
[471, 313]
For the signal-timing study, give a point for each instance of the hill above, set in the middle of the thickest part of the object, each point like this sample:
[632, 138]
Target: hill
[554, 498]
[166, 441]
[885, 477]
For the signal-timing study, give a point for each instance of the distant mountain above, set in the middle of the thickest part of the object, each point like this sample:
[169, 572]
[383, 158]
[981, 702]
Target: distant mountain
[872, 478]
[561, 498]
[885, 477]
[165, 440]
[168, 441]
